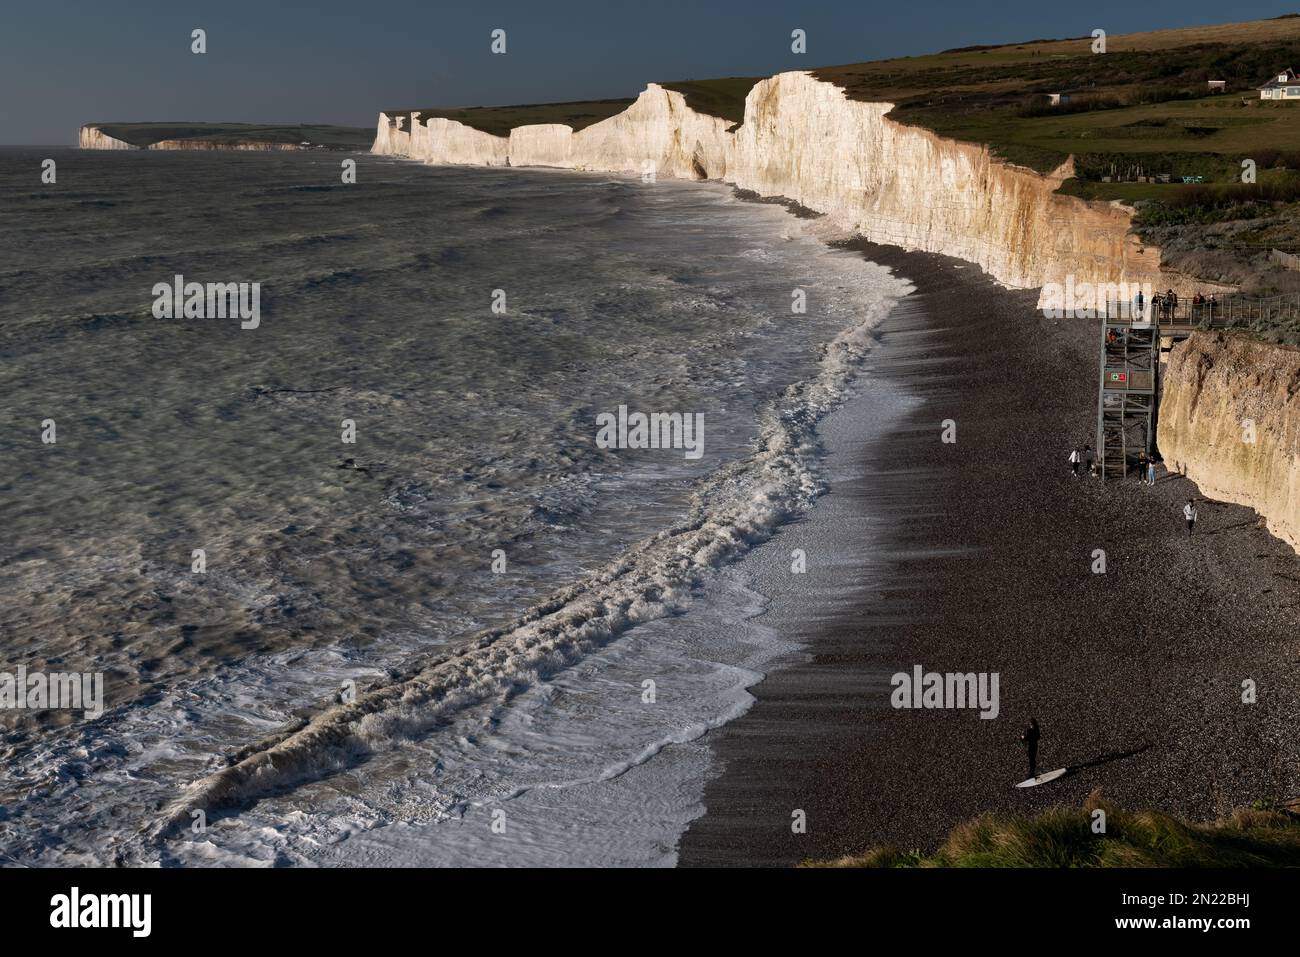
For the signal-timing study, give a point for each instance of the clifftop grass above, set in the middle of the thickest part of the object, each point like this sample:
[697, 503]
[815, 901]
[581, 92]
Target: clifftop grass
[1064, 838]
[724, 97]
[500, 120]
[1146, 95]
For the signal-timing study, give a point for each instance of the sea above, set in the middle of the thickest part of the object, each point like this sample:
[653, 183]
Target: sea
[369, 578]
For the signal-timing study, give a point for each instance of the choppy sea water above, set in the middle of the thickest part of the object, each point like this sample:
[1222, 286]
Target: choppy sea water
[501, 716]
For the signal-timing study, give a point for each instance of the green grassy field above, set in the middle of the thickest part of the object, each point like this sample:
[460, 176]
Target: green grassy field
[1146, 97]
[723, 97]
[1064, 838]
[331, 137]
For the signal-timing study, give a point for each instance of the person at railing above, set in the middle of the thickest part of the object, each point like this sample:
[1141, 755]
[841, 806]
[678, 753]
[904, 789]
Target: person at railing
[1171, 303]
[1158, 304]
[1138, 302]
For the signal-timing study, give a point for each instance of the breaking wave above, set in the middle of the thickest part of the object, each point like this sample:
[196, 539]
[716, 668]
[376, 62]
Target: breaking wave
[733, 509]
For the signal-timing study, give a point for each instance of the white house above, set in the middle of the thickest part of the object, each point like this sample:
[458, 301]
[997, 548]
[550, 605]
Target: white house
[1058, 99]
[1284, 86]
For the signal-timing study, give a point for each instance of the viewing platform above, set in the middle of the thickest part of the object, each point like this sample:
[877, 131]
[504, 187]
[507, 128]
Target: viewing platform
[1132, 344]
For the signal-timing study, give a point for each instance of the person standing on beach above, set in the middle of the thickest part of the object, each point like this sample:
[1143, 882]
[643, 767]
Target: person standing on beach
[1151, 473]
[1142, 468]
[1189, 513]
[1030, 737]
[1075, 459]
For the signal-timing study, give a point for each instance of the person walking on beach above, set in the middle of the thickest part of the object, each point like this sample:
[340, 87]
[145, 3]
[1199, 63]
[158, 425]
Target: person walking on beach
[1075, 459]
[1189, 514]
[1030, 737]
[1087, 460]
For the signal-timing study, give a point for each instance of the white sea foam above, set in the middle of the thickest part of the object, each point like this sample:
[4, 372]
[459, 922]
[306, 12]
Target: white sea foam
[734, 509]
[544, 703]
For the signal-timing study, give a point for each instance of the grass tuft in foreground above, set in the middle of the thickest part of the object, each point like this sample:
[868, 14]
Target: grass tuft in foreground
[1063, 837]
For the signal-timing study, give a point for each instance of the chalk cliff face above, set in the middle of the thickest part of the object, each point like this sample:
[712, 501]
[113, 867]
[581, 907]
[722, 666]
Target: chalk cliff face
[1216, 387]
[657, 133]
[803, 139]
[92, 138]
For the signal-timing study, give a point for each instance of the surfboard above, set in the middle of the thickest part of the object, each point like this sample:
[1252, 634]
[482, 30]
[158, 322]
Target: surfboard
[1042, 778]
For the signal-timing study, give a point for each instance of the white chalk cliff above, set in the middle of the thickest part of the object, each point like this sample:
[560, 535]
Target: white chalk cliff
[1230, 420]
[804, 140]
[93, 138]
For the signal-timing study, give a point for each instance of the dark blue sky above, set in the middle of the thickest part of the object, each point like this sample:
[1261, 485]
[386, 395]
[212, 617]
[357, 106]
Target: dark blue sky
[68, 62]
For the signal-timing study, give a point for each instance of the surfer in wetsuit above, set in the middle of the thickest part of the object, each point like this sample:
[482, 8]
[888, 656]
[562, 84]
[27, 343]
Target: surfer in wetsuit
[1030, 737]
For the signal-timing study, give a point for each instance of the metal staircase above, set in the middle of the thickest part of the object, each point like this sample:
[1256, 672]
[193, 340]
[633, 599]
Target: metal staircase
[1126, 395]
[1131, 346]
